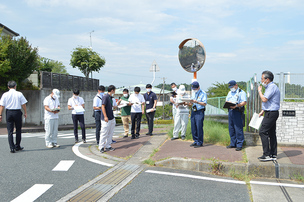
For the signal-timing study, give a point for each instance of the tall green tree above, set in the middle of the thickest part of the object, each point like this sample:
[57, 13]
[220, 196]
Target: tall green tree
[23, 60]
[54, 66]
[4, 61]
[86, 60]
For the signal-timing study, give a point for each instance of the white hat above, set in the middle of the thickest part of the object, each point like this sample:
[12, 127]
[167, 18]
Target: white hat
[56, 93]
[182, 89]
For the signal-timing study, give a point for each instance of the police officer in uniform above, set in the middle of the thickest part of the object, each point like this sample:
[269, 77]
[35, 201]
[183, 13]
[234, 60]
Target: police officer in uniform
[236, 115]
[13, 101]
[199, 102]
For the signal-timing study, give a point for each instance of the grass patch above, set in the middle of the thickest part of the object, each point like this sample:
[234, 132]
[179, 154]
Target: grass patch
[214, 133]
[149, 161]
[298, 177]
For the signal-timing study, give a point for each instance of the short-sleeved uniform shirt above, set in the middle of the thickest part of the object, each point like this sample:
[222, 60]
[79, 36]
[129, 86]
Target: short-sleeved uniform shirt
[52, 103]
[237, 97]
[76, 101]
[137, 100]
[199, 96]
[125, 111]
[149, 99]
[12, 99]
[97, 101]
[272, 93]
[108, 103]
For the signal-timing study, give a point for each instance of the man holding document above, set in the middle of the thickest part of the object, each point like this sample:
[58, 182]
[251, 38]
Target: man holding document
[235, 102]
[125, 106]
[270, 109]
[151, 101]
[76, 104]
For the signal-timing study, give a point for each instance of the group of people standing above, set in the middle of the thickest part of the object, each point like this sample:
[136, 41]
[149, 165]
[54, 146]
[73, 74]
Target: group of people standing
[135, 105]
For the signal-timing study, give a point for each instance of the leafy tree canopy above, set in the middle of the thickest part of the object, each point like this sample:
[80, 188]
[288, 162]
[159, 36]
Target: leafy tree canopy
[54, 66]
[86, 60]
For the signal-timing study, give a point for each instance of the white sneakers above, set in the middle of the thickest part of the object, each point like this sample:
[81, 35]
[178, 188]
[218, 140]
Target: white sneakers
[53, 145]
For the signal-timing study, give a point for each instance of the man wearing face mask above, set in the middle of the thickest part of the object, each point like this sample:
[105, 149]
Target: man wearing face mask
[199, 102]
[151, 101]
[137, 110]
[173, 98]
[270, 109]
[125, 111]
[97, 102]
[107, 121]
[51, 109]
[76, 104]
[236, 115]
[182, 114]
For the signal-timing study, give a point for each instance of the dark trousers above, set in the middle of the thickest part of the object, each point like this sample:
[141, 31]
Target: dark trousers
[235, 124]
[97, 115]
[14, 117]
[197, 124]
[268, 133]
[80, 118]
[150, 120]
[135, 118]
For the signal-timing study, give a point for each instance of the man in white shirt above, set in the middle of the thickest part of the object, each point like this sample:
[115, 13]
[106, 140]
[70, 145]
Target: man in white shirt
[173, 98]
[97, 102]
[13, 101]
[76, 104]
[51, 109]
[137, 101]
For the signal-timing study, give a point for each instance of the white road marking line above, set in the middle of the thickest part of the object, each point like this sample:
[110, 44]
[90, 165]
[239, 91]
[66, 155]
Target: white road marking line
[76, 151]
[277, 184]
[33, 193]
[195, 177]
[63, 165]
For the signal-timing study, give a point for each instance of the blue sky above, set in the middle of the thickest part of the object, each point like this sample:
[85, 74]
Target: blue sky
[241, 38]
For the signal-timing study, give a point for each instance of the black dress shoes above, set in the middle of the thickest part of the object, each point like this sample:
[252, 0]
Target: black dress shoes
[13, 151]
[229, 147]
[193, 144]
[238, 149]
[19, 148]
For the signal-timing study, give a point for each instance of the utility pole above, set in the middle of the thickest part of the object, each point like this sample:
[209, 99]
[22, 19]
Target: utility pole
[164, 79]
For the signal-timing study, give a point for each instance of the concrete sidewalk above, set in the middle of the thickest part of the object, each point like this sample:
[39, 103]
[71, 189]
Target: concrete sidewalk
[178, 154]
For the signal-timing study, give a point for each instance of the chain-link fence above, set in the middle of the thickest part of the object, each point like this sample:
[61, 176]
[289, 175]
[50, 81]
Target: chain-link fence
[67, 82]
[291, 86]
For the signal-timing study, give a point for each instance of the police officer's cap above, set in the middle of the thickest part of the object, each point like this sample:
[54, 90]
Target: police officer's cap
[194, 85]
[231, 83]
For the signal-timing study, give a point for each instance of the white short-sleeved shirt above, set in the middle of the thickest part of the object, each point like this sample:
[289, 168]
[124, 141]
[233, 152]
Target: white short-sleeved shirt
[76, 101]
[12, 99]
[182, 109]
[52, 104]
[137, 100]
[97, 101]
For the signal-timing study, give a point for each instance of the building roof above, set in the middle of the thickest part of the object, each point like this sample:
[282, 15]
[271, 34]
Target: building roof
[142, 89]
[8, 31]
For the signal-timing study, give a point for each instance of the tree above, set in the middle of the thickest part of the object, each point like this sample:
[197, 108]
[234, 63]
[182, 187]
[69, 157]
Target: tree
[86, 60]
[23, 60]
[4, 61]
[54, 66]
[221, 89]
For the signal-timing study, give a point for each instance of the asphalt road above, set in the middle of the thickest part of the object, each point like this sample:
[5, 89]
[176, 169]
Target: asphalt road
[22, 171]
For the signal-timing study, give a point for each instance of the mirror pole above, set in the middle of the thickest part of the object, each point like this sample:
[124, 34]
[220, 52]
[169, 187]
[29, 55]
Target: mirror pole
[195, 76]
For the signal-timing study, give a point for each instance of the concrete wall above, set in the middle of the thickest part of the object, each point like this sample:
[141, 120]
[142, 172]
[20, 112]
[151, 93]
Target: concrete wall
[290, 130]
[35, 108]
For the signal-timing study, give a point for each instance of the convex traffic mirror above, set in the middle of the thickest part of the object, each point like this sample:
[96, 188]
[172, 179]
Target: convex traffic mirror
[192, 55]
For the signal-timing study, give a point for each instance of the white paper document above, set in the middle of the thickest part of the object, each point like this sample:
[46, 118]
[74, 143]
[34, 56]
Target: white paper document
[149, 110]
[186, 99]
[256, 121]
[79, 109]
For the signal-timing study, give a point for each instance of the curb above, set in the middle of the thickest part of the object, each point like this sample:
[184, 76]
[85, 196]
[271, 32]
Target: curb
[282, 171]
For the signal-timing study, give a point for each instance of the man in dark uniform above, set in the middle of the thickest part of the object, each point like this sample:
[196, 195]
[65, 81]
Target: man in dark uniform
[151, 101]
[13, 101]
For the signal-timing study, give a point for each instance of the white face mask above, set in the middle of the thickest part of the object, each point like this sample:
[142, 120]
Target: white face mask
[174, 89]
[112, 94]
[76, 96]
[233, 89]
[264, 84]
[195, 91]
[148, 90]
[125, 95]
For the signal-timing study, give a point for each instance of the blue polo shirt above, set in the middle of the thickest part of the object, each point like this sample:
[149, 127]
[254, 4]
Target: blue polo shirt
[107, 102]
[237, 97]
[272, 93]
[149, 99]
[200, 96]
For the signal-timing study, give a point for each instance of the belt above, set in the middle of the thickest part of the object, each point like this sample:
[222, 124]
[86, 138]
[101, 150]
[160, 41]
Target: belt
[271, 111]
[13, 109]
